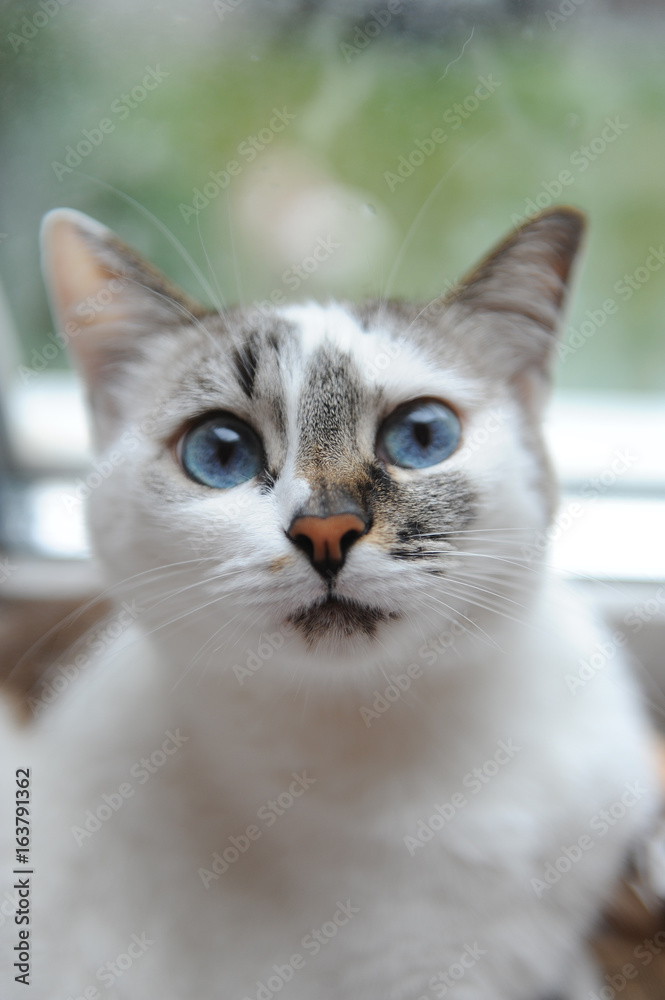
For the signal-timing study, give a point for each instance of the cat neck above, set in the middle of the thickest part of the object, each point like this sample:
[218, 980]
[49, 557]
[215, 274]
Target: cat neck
[481, 689]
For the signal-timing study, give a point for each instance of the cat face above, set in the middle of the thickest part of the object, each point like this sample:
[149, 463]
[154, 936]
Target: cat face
[360, 478]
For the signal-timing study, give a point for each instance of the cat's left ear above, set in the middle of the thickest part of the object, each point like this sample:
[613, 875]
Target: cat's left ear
[104, 296]
[509, 308]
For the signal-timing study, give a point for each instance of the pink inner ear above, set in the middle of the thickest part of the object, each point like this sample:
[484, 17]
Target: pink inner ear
[74, 273]
[85, 299]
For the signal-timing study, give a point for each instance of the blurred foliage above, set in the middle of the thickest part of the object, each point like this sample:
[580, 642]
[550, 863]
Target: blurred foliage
[358, 110]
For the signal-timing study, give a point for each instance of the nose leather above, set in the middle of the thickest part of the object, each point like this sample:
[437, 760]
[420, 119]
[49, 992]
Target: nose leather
[327, 539]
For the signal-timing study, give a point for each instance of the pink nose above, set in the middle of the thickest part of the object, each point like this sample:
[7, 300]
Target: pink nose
[326, 540]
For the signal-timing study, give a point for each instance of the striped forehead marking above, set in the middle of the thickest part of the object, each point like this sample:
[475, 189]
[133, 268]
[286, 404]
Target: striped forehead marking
[330, 405]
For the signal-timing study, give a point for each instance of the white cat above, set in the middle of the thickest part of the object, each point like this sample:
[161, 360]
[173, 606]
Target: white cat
[328, 746]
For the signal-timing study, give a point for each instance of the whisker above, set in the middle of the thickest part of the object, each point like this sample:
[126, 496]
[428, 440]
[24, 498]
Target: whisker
[420, 214]
[190, 666]
[523, 564]
[208, 580]
[472, 531]
[458, 614]
[173, 240]
[478, 602]
[100, 598]
[218, 302]
[483, 590]
[236, 269]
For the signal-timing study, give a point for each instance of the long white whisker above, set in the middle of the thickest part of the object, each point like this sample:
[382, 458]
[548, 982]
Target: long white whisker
[456, 581]
[458, 614]
[173, 240]
[218, 302]
[100, 598]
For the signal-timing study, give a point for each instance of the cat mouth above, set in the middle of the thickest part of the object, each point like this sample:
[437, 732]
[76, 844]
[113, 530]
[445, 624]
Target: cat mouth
[339, 618]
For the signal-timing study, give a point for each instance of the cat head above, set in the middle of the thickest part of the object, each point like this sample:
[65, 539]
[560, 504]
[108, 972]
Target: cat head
[359, 479]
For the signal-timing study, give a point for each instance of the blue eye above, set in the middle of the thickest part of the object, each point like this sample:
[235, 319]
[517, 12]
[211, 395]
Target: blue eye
[221, 452]
[419, 434]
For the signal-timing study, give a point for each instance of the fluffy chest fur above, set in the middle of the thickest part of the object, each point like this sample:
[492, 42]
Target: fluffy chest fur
[380, 855]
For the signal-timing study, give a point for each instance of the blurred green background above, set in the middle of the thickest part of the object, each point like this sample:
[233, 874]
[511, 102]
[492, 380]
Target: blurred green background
[534, 89]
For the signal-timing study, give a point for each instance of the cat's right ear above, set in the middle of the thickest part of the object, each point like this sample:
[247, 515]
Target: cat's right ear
[104, 297]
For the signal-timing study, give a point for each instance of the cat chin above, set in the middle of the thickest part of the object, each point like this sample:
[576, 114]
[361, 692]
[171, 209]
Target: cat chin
[335, 623]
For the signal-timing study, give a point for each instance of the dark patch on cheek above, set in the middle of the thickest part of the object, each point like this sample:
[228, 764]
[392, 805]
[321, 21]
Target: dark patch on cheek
[411, 530]
[380, 480]
[425, 514]
[374, 488]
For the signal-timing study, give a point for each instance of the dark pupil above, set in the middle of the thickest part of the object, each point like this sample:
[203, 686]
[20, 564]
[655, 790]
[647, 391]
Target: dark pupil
[227, 441]
[423, 434]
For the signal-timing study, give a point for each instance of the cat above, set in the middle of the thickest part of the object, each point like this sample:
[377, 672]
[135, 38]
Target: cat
[327, 746]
